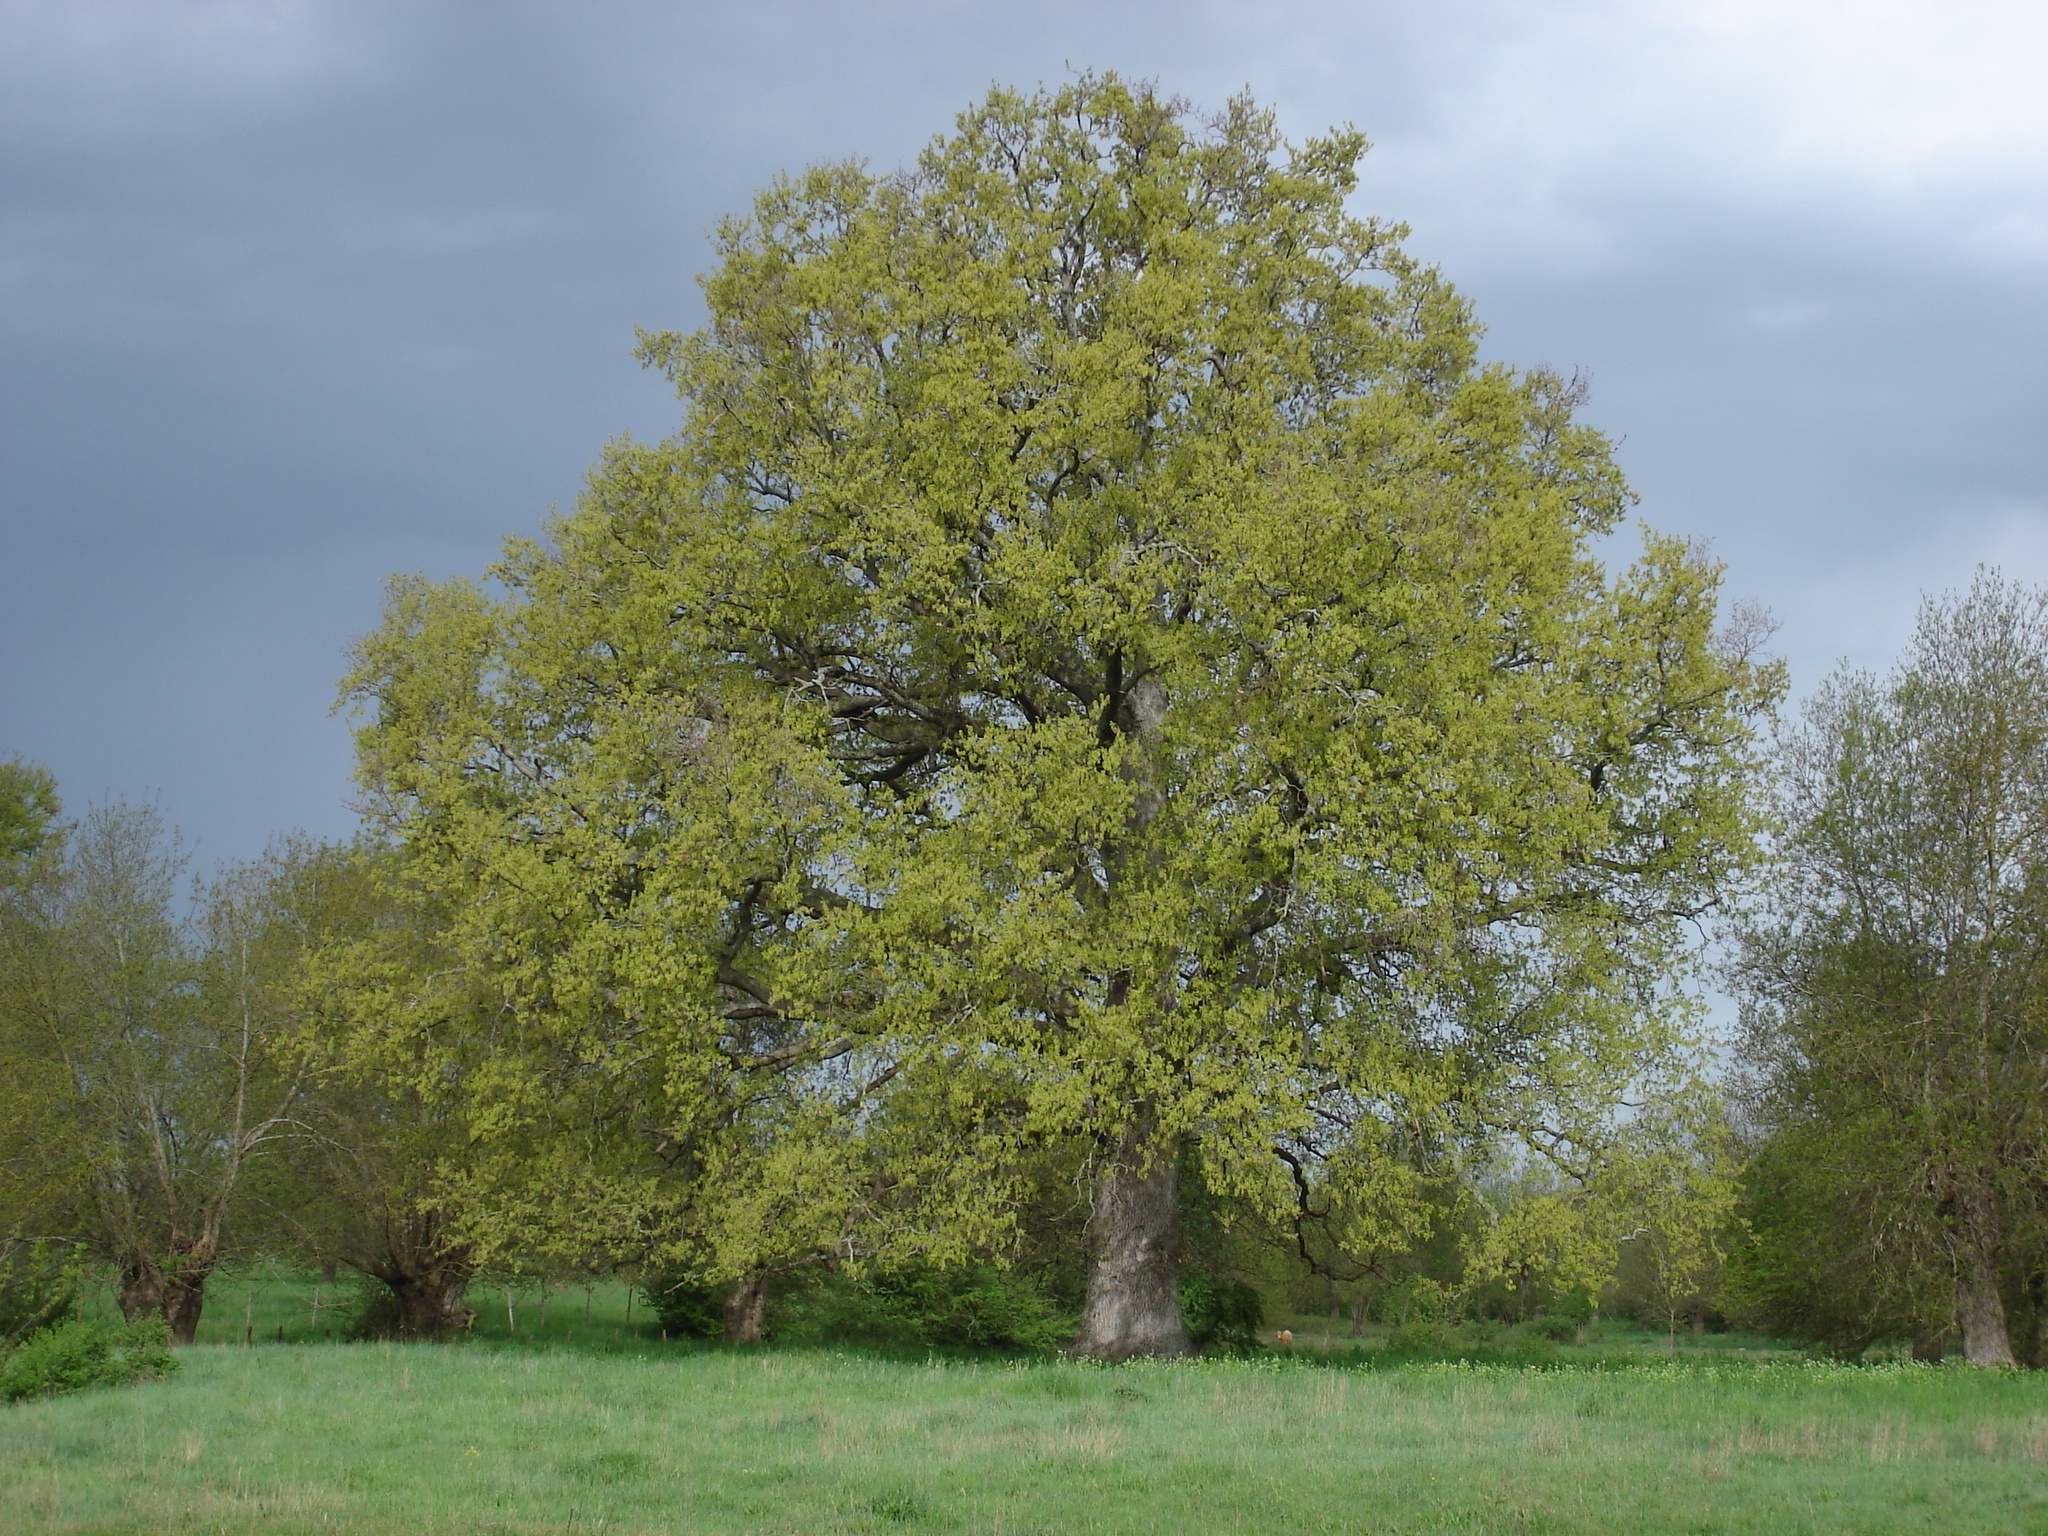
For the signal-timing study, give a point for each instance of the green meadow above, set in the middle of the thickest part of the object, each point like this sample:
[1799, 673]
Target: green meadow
[598, 1427]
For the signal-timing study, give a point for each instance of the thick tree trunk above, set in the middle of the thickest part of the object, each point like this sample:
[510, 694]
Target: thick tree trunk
[746, 1308]
[1980, 1310]
[428, 1305]
[427, 1277]
[142, 1291]
[1133, 1302]
[1981, 1315]
[178, 1297]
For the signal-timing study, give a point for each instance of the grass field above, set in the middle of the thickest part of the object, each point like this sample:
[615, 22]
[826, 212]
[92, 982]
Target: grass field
[575, 1433]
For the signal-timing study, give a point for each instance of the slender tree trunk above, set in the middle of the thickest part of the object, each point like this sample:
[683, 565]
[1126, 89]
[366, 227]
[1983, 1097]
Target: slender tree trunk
[1133, 1302]
[746, 1308]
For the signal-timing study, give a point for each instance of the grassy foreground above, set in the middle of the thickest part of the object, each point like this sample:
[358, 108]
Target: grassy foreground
[483, 1437]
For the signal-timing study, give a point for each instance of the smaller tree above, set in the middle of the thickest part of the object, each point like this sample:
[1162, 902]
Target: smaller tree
[1822, 1255]
[387, 1028]
[1678, 1176]
[1895, 1016]
[150, 1043]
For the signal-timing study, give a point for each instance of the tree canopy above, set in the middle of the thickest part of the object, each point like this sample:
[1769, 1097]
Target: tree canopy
[1103, 668]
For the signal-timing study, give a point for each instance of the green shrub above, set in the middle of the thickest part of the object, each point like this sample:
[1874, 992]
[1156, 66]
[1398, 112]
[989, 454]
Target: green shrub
[73, 1356]
[1221, 1315]
[371, 1312]
[1423, 1336]
[1548, 1325]
[975, 1306]
[685, 1309]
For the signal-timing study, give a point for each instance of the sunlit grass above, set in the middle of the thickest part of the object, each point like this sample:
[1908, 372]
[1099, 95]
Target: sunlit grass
[488, 1436]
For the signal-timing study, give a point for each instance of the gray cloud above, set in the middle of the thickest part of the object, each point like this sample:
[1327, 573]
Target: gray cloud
[300, 294]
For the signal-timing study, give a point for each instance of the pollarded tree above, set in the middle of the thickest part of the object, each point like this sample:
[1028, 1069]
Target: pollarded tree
[149, 1042]
[1101, 662]
[1898, 1025]
[361, 1181]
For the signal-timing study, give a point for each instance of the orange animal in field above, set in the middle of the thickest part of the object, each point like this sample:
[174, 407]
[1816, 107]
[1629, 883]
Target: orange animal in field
[1284, 1336]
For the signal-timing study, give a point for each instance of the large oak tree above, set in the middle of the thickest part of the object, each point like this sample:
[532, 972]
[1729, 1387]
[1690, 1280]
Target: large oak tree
[1101, 665]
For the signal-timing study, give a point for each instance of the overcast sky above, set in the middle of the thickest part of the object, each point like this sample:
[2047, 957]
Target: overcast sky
[300, 294]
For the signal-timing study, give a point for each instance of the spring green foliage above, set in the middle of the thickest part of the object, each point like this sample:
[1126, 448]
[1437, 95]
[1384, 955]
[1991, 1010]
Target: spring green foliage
[28, 812]
[1100, 658]
[390, 1438]
[965, 1307]
[1679, 1180]
[360, 1183]
[146, 1047]
[72, 1356]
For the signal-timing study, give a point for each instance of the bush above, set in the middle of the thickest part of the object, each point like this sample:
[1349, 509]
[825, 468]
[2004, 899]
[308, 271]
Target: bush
[77, 1355]
[372, 1311]
[1420, 1337]
[1548, 1325]
[685, 1309]
[975, 1306]
[979, 1307]
[1220, 1314]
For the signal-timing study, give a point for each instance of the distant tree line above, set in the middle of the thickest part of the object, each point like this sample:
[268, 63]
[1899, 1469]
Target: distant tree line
[1102, 751]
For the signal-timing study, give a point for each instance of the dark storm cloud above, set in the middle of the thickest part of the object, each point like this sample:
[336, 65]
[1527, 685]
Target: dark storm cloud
[298, 295]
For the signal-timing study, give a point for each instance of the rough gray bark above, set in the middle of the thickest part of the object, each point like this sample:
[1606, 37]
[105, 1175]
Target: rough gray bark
[1980, 1313]
[746, 1307]
[1133, 1303]
[1980, 1310]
